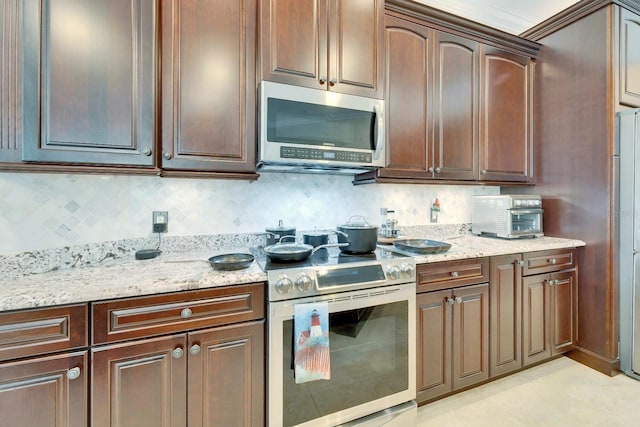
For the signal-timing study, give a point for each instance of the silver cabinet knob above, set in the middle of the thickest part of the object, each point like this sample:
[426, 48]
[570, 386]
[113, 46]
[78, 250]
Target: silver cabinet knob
[450, 301]
[186, 313]
[430, 169]
[553, 261]
[438, 169]
[166, 155]
[483, 171]
[520, 263]
[552, 282]
[177, 353]
[454, 274]
[146, 151]
[194, 349]
[73, 373]
[459, 300]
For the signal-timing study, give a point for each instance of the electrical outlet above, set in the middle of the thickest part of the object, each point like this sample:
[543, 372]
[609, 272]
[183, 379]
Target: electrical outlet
[160, 221]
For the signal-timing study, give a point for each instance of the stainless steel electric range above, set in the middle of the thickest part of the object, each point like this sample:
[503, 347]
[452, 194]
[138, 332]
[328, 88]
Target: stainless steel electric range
[371, 335]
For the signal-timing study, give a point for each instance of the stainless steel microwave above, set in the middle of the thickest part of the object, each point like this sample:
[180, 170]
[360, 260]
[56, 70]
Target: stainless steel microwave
[312, 130]
[509, 216]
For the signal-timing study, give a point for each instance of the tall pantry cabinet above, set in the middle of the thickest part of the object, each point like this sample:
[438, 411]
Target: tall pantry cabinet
[588, 69]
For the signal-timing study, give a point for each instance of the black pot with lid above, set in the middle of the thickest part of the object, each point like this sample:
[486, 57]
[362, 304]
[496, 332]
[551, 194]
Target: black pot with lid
[361, 236]
[274, 234]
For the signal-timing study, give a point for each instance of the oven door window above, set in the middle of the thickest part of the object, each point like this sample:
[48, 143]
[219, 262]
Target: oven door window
[369, 360]
[319, 125]
[526, 221]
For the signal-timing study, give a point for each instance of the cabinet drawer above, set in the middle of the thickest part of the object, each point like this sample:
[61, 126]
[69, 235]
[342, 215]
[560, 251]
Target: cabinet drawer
[546, 261]
[43, 330]
[449, 274]
[162, 314]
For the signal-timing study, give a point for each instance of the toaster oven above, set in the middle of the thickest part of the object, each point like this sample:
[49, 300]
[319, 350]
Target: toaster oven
[507, 216]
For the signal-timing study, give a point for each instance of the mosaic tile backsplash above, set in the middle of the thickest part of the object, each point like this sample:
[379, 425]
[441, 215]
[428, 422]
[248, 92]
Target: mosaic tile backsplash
[41, 211]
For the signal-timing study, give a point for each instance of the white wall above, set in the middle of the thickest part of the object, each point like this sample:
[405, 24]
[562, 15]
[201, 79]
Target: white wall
[40, 211]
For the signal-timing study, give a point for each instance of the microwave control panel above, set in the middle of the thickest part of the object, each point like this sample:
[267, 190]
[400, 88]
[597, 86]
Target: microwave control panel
[334, 155]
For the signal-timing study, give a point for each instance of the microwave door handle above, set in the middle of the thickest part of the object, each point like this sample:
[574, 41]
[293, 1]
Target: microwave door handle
[378, 133]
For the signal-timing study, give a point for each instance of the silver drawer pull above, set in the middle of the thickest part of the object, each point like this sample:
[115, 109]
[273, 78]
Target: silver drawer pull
[454, 274]
[553, 261]
[73, 373]
[186, 313]
[459, 300]
[177, 353]
[450, 301]
[195, 349]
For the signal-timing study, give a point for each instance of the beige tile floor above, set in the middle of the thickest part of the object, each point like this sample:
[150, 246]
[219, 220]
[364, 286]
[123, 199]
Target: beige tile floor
[558, 393]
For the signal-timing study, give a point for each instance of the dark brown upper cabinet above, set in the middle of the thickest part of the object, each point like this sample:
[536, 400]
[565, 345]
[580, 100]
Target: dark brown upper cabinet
[89, 81]
[629, 40]
[208, 85]
[505, 116]
[408, 94]
[324, 44]
[456, 107]
[432, 119]
[458, 100]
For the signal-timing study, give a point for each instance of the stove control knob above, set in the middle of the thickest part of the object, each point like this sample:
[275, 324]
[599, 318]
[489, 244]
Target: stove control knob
[284, 284]
[393, 272]
[303, 282]
[407, 270]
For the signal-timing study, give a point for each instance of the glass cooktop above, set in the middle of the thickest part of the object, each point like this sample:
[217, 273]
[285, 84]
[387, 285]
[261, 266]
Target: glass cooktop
[327, 256]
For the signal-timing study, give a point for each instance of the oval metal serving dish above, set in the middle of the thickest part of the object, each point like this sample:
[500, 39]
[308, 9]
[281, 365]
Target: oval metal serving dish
[422, 246]
[231, 261]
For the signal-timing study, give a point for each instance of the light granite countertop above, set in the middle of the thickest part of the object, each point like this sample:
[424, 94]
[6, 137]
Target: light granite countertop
[127, 277]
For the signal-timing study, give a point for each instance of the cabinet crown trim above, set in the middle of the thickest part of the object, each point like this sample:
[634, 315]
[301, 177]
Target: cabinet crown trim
[462, 26]
[574, 13]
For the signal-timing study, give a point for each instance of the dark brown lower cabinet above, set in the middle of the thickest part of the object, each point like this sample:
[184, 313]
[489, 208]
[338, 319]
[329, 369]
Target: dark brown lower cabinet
[206, 378]
[140, 384]
[48, 391]
[453, 339]
[506, 319]
[226, 376]
[548, 315]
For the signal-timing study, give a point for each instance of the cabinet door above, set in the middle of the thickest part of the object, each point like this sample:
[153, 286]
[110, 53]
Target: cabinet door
[226, 376]
[629, 41]
[506, 309]
[456, 108]
[209, 92]
[89, 81]
[434, 344]
[294, 42]
[505, 116]
[470, 335]
[44, 392]
[140, 384]
[408, 91]
[535, 319]
[564, 314]
[356, 45]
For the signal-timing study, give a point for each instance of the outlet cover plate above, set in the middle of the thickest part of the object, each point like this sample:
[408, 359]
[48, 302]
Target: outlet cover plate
[160, 221]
